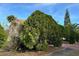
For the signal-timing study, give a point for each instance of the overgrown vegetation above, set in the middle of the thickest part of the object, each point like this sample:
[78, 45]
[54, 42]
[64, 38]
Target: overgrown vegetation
[41, 30]
[3, 36]
[70, 30]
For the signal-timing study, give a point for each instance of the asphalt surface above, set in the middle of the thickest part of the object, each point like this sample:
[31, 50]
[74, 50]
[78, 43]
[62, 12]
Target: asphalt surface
[63, 52]
[68, 50]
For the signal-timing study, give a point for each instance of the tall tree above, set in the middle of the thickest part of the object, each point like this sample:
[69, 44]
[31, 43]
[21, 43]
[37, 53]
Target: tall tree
[67, 18]
[69, 31]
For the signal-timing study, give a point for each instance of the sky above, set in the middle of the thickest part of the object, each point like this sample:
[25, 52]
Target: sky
[23, 10]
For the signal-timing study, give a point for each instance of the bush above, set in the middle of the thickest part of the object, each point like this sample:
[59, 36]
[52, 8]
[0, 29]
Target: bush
[56, 42]
[29, 36]
[3, 36]
[42, 43]
[33, 38]
[42, 46]
[71, 41]
[72, 38]
[77, 37]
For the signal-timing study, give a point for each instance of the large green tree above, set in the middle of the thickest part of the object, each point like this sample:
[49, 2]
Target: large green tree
[69, 32]
[39, 30]
[47, 26]
[67, 18]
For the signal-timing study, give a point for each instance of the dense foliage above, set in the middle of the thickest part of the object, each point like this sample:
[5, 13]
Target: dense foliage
[48, 28]
[75, 28]
[40, 30]
[29, 36]
[11, 18]
[3, 36]
[71, 33]
[67, 18]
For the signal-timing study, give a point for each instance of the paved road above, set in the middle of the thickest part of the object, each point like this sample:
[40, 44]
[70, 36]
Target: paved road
[63, 52]
[68, 50]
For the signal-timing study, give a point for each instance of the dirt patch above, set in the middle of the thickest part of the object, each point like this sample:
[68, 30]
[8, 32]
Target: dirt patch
[29, 53]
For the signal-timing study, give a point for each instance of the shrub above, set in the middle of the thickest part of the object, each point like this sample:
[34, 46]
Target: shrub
[3, 36]
[29, 36]
[42, 46]
[33, 38]
[72, 38]
[42, 43]
[57, 42]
